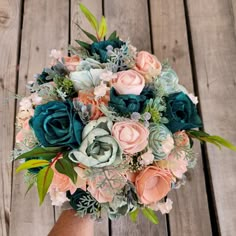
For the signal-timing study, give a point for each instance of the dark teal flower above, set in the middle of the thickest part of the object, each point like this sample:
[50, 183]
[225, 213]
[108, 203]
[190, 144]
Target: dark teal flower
[57, 124]
[43, 77]
[129, 103]
[181, 113]
[83, 202]
[100, 48]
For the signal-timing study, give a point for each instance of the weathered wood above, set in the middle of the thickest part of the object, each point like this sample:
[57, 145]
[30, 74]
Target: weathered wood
[131, 20]
[213, 32]
[190, 214]
[101, 229]
[10, 13]
[45, 26]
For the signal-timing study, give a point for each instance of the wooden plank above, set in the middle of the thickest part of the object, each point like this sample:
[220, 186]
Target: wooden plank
[131, 20]
[213, 32]
[101, 228]
[45, 26]
[190, 214]
[9, 30]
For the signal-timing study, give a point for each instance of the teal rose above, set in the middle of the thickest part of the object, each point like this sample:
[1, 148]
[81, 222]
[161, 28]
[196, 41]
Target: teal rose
[98, 148]
[57, 124]
[181, 113]
[100, 48]
[129, 103]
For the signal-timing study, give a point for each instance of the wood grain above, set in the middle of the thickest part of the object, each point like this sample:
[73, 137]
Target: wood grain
[130, 19]
[213, 31]
[45, 26]
[190, 214]
[10, 12]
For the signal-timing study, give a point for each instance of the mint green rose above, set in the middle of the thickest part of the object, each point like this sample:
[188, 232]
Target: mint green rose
[98, 148]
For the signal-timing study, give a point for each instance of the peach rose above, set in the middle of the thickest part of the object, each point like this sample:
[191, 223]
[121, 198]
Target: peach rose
[147, 65]
[128, 82]
[20, 134]
[88, 98]
[152, 184]
[71, 62]
[105, 193]
[131, 135]
[181, 139]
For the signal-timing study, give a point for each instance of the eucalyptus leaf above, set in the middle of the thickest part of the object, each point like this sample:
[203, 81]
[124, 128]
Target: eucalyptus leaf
[150, 215]
[44, 180]
[91, 18]
[32, 164]
[45, 152]
[133, 215]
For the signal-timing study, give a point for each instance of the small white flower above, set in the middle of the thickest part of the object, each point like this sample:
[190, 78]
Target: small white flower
[107, 76]
[163, 207]
[25, 103]
[56, 54]
[193, 98]
[100, 90]
[147, 157]
[36, 99]
[57, 198]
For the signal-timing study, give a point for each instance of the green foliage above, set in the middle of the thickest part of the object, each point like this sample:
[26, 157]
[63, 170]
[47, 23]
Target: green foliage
[134, 215]
[91, 18]
[30, 179]
[216, 140]
[44, 180]
[66, 167]
[150, 215]
[89, 35]
[102, 31]
[83, 44]
[32, 164]
[113, 36]
[46, 153]
[65, 86]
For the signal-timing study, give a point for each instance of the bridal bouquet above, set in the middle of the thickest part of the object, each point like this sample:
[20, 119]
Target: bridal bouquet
[108, 128]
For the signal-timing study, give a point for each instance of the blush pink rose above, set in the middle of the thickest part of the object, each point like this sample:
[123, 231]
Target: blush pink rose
[129, 82]
[105, 192]
[152, 184]
[131, 135]
[20, 135]
[71, 62]
[147, 65]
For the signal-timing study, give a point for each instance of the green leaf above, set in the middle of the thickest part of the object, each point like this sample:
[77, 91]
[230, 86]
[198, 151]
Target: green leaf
[91, 18]
[133, 215]
[90, 36]
[45, 152]
[150, 215]
[32, 164]
[29, 187]
[83, 44]
[113, 36]
[102, 28]
[216, 140]
[44, 180]
[66, 167]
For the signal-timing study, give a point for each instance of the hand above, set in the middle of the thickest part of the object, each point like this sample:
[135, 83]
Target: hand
[71, 225]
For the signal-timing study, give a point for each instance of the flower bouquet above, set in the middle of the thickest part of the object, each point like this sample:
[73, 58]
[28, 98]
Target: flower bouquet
[108, 129]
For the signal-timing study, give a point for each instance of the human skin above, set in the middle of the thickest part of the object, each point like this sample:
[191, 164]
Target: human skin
[71, 225]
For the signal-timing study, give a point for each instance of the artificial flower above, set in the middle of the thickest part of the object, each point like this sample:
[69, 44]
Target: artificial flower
[131, 135]
[147, 157]
[160, 141]
[71, 62]
[152, 184]
[128, 82]
[181, 113]
[57, 197]
[98, 148]
[147, 65]
[57, 124]
[163, 207]
[181, 139]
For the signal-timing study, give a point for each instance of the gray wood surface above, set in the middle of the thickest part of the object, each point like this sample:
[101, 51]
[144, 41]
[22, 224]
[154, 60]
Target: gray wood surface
[130, 19]
[9, 31]
[45, 26]
[190, 213]
[213, 31]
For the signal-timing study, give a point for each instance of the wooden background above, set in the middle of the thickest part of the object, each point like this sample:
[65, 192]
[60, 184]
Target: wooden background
[198, 37]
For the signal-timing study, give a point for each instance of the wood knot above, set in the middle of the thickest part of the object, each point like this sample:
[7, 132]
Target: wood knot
[1, 83]
[4, 17]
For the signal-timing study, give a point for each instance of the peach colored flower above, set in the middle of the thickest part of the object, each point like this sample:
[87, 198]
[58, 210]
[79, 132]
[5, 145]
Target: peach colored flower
[20, 135]
[131, 135]
[152, 184]
[71, 62]
[88, 98]
[107, 191]
[128, 82]
[147, 65]
[131, 176]
[176, 163]
[181, 139]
